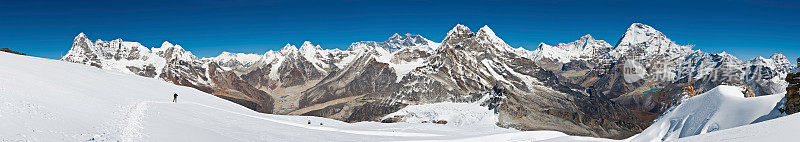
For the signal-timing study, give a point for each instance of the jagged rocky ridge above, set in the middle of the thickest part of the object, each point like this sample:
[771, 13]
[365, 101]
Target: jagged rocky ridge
[578, 88]
[11, 51]
[170, 63]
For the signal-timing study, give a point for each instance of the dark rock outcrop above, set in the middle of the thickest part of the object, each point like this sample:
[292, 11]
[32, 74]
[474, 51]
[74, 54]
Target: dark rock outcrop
[11, 51]
[792, 96]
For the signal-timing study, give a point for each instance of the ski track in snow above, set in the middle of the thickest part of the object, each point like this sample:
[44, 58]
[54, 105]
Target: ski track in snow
[133, 123]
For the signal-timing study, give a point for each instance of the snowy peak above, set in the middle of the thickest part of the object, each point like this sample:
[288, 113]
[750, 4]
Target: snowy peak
[316, 55]
[409, 40]
[587, 37]
[585, 48]
[725, 54]
[778, 56]
[117, 55]
[309, 48]
[640, 33]
[486, 31]
[395, 43]
[776, 61]
[166, 45]
[459, 30]
[542, 45]
[639, 26]
[243, 56]
[461, 36]
[83, 41]
[395, 38]
[487, 36]
[587, 43]
[81, 35]
[638, 40]
[82, 38]
[583, 43]
[288, 49]
[643, 40]
[172, 52]
[83, 51]
[780, 59]
[307, 45]
[227, 59]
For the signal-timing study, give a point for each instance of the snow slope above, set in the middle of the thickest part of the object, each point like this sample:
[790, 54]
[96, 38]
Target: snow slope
[721, 108]
[779, 129]
[48, 100]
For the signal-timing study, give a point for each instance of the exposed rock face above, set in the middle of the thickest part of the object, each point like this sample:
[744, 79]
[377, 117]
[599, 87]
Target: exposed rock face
[792, 96]
[83, 51]
[11, 51]
[287, 72]
[244, 91]
[364, 77]
[171, 63]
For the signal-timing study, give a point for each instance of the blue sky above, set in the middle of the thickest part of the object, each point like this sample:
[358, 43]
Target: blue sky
[46, 28]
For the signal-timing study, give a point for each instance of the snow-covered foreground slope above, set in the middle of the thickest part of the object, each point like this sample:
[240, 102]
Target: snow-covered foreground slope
[48, 100]
[720, 108]
[779, 129]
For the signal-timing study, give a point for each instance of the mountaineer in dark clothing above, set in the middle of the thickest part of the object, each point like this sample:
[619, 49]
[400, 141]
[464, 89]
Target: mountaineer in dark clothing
[175, 98]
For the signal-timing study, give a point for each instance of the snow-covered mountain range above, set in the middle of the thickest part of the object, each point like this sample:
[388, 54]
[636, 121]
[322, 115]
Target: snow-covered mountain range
[658, 69]
[585, 48]
[580, 88]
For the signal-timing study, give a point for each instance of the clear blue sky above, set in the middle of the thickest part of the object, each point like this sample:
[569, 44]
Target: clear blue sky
[46, 28]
